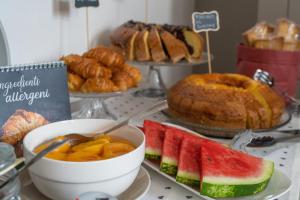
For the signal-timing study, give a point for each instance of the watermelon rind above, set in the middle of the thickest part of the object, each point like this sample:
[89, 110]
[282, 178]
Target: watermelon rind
[168, 166]
[188, 178]
[152, 154]
[221, 187]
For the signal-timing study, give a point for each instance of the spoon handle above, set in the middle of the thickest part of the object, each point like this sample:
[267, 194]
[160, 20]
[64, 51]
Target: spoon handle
[34, 159]
[142, 113]
[12, 166]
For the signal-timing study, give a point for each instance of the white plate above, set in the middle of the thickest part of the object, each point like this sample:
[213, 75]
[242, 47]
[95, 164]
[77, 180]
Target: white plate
[278, 185]
[137, 190]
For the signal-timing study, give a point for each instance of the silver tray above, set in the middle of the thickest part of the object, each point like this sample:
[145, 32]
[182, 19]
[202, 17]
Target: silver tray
[225, 132]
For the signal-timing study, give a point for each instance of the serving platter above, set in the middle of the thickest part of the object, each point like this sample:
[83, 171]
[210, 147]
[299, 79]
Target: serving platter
[137, 190]
[225, 132]
[279, 184]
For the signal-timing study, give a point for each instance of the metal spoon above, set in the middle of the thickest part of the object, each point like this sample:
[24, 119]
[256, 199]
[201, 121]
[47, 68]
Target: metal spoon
[77, 138]
[266, 141]
[33, 160]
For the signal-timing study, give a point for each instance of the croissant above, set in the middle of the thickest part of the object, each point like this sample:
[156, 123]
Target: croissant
[133, 72]
[74, 82]
[19, 124]
[123, 80]
[106, 56]
[98, 85]
[87, 68]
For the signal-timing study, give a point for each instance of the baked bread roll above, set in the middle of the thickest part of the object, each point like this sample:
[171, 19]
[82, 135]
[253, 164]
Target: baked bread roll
[19, 124]
[225, 101]
[287, 29]
[98, 85]
[260, 31]
[74, 82]
[274, 43]
[106, 56]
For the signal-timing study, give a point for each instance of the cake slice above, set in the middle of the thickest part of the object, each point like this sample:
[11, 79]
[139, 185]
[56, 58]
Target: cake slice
[156, 48]
[194, 42]
[141, 47]
[176, 49]
[124, 38]
[230, 173]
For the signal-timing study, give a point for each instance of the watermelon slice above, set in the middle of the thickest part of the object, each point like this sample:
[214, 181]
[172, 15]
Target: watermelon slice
[171, 149]
[189, 159]
[154, 133]
[229, 173]
[189, 162]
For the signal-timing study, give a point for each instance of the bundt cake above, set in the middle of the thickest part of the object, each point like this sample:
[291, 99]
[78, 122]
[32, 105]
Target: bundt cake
[225, 101]
[144, 42]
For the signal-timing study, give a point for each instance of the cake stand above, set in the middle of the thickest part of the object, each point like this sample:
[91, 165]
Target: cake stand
[92, 105]
[155, 87]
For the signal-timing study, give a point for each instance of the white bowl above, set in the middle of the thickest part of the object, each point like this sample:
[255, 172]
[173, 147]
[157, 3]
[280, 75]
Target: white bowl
[67, 180]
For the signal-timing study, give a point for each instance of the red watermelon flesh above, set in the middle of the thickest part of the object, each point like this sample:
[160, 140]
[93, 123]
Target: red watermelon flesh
[189, 162]
[171, 150]
[189, 159]
[229, 173]
[218, 160]
[154, 133]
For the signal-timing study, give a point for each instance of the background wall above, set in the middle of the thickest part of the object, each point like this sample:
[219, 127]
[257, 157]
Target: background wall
[45, 30]
[238, 16]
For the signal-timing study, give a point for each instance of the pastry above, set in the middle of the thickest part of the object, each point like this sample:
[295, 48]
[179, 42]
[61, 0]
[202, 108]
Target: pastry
[74, 82]
[85, 67]
[134, 73]
[98, 69]
[19, 124]
[123, 80]
[225, 101]
[98, 85]
[106, 56]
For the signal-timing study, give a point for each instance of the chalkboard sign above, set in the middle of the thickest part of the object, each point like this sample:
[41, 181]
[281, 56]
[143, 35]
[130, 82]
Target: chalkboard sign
[206, 21]
[86, 3]
[32, 95]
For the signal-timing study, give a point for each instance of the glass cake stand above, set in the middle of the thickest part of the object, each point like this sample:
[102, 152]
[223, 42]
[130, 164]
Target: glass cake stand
[92, 105]
[154, 86]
